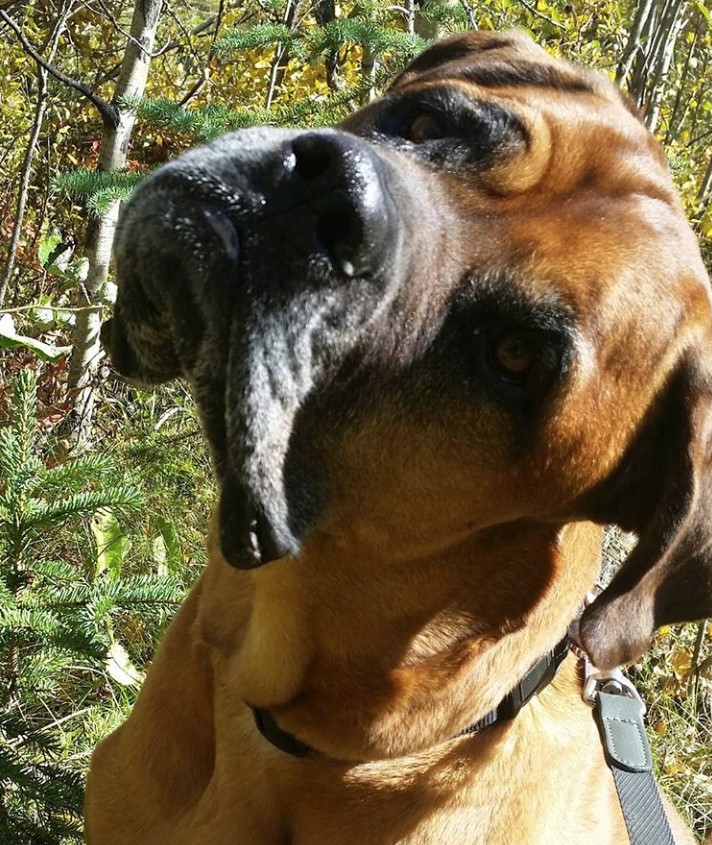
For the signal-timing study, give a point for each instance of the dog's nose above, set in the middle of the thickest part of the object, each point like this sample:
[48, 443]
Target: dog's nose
[339, 178]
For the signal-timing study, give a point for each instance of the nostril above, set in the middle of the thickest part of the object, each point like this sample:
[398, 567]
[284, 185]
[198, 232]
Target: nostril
[339, 226]
[312, 156]
[335, 179]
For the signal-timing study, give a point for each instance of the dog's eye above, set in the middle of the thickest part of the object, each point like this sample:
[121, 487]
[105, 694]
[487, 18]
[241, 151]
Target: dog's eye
[514, 354]
[518, 364]
[426, 127]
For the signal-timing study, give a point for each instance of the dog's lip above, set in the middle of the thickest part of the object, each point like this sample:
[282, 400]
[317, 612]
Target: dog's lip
[263, 545]
[259, 545]
[248, 536]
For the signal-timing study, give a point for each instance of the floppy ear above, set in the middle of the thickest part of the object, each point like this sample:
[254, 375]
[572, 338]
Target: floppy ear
[662, 492]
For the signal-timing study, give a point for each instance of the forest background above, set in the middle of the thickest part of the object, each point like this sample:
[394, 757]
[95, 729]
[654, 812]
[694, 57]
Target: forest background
[105, 489]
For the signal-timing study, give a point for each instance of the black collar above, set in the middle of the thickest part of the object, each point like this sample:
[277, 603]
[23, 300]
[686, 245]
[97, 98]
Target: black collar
[540, 675]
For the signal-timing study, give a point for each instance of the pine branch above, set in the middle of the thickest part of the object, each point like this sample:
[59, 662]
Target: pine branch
[99, 188]
[74, 470]
[450, 17]
[53, 615]
[101, 597]
[83, 183]
[42, 514]
[377, 39]
[260, 37]
[204, 123]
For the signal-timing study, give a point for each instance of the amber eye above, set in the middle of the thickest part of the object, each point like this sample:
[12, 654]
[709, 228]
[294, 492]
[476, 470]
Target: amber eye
[426, 127]
[515, 354]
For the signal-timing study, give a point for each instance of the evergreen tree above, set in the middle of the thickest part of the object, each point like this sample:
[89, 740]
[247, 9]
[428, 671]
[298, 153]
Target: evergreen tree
[56, 621]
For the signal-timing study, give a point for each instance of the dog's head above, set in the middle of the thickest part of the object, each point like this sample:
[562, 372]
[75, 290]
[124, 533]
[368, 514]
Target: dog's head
[475, 303]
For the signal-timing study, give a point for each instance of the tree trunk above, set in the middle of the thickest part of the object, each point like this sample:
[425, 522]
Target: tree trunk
[702, 74]
[26, 172]
[679, 112]
[325, 12]
[281, 54]
[634, 45]
[642, 56]
[369, 69]
[431, 30]
[705, 193]
[114, 148]
[664, 52]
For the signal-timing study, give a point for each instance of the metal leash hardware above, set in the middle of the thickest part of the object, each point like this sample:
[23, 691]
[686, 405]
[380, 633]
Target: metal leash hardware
[609, 681]
[619, 711]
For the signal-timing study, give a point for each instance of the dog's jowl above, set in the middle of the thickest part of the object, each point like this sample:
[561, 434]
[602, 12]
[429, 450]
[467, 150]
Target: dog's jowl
[434, 348]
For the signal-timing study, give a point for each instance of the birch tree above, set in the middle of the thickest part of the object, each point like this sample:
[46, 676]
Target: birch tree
[117, 116]
[649, 53]
[118, 120]
[26, 171]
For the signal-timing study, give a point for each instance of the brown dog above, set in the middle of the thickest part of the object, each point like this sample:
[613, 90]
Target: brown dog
[431, 349]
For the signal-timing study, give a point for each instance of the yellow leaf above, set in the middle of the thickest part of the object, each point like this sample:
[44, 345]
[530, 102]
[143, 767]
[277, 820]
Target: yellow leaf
[674, 768]
[680, 662]
[120, 667]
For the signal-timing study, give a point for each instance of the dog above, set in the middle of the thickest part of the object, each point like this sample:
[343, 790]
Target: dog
[434, 349]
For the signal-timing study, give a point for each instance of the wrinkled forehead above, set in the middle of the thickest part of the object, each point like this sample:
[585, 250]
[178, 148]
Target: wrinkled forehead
[574, 122]
[498, 60]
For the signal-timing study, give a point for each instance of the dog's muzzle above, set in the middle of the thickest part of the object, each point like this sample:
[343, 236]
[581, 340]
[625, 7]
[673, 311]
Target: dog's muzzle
[263, 257]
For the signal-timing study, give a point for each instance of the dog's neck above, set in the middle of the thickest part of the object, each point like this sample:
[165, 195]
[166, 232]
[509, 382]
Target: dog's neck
[366, 659]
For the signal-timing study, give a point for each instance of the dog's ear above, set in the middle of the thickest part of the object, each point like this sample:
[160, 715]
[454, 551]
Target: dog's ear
[662, 492]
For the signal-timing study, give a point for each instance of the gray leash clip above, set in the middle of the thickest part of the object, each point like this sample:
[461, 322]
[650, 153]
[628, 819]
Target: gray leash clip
[610, 681]
[619, 711]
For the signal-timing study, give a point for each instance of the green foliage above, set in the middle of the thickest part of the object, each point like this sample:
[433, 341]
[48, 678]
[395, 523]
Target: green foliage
[205, 123]
[212, 121]
[311, 41]
[100, 187]
[259, 37]
[343, 32]
[10, 338]
[57, 618]
[159, 431]
[675, 678]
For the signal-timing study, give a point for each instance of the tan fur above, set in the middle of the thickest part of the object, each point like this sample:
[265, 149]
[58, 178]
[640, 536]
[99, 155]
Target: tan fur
[166, 777]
